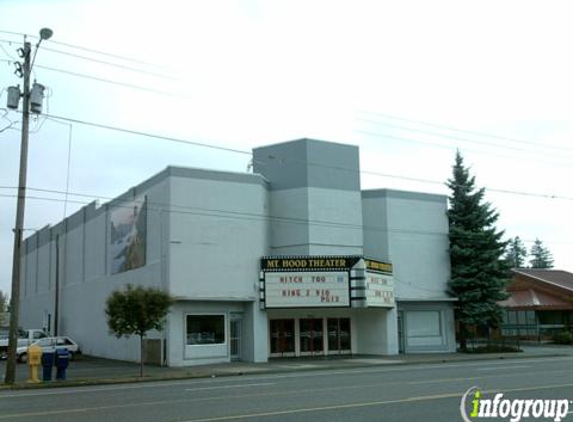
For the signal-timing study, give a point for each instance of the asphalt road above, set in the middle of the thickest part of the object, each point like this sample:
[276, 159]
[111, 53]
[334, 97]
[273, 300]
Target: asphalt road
[429, 392]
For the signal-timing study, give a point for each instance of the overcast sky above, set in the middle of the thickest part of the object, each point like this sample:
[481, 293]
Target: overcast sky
[408, 82]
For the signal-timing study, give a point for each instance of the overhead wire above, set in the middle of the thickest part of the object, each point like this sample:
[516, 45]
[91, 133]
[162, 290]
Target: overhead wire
[93, 60]
[173, 94]
[91, 50]
[7, 53]
[239, 215]
[291, 160]
[111, 81]
[454, 148]
[108, 63]
[471, 132]
[369, 133]
[443, 135]
[69, 162]
[245, 152]
[149, 135]
[147, 63]
[251, 217]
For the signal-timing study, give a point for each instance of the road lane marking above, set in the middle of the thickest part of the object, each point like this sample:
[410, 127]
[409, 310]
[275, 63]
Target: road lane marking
[90, 389]
[257, 377]
[469, 377]
[283, 412]
[254, 415]
[505, 367]
[357, 405]
[220, 387]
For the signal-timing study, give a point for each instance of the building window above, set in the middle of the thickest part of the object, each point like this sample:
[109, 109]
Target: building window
[423, 323]
[205, 329]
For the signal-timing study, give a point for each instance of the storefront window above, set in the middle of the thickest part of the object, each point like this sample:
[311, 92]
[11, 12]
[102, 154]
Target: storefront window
[205, 329]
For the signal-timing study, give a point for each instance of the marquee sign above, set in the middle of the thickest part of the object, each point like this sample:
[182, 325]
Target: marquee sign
[309, 263]
[307, 289]
[379, 290]
[325, 282]
[378, 284]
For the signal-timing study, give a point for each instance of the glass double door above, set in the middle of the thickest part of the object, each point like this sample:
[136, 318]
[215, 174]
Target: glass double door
[282, 337]
[311, 336]
[339, 335]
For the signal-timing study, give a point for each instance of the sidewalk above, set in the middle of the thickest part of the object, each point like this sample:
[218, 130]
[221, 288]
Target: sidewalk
[89, 370]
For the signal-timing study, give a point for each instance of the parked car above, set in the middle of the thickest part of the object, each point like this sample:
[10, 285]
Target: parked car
[25, 338]
[50, 345]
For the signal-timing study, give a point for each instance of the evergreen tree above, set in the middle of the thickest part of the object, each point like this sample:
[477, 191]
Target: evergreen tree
[516, 253]
[541, 257]
[479, 274]
[3, 302]
[3, 306]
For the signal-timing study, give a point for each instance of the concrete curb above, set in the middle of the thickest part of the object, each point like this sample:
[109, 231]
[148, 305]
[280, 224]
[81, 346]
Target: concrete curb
[212, 373]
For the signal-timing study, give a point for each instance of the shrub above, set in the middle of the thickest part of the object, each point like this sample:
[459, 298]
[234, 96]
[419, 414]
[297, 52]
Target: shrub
[494, 348]
[564, 337]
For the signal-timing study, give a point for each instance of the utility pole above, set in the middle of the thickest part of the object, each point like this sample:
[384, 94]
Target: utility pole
[10, 377]
[18, 228]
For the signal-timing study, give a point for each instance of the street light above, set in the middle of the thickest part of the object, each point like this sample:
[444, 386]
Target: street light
[26, 69]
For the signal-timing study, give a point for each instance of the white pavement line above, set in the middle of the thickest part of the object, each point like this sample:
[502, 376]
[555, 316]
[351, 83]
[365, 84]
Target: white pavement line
[220, 387]
[294, 374]
[505, 367]
[90, 390]
[325, 408]
[484, 376]
[361, 405]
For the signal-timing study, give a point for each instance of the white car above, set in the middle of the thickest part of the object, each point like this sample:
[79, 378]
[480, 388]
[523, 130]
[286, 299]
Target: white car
[50, 345]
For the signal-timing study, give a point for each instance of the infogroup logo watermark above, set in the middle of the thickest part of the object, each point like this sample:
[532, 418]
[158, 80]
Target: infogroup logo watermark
[475, 407]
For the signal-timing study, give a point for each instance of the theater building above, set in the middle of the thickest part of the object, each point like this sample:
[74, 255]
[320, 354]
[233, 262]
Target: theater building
[293, 259]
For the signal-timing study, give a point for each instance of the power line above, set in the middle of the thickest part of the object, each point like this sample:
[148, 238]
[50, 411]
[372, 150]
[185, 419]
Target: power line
[239, 215]
[454, 148]
[70, 128]
[130, 59]
[104, 53]
[373, 173]
[442, 135]
[148, 135]
[123, 84]
[138, 87]
[91, 50]
[471, 132]
[107, 63]
[7, 53]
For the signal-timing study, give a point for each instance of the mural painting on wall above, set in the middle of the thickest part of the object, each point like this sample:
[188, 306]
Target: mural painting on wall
[128, 235]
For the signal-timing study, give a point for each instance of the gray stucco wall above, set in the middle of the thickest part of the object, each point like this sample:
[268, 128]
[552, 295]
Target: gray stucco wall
[218, 232]
[308, 163]
[84, 273]
[410, 230]
[315, 203]
[206, 231]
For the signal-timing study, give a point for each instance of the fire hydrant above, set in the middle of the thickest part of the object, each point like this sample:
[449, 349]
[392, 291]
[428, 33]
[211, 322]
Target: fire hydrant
[34, 359]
